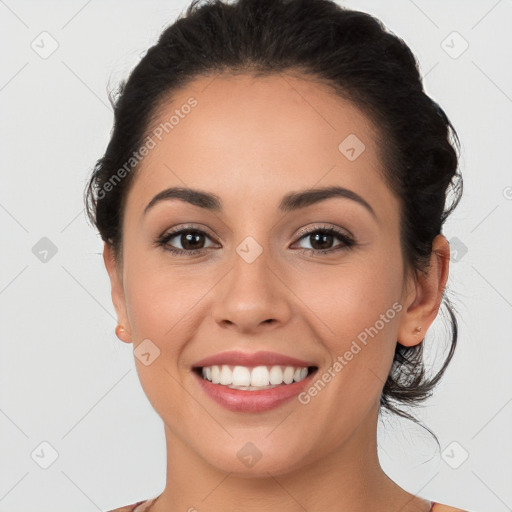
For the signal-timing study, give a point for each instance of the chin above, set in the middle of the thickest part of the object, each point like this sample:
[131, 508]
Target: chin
[248, 459]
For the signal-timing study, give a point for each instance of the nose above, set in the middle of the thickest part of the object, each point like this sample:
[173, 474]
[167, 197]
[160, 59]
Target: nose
[252, 297]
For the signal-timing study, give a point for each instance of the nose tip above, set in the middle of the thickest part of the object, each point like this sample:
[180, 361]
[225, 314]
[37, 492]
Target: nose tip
[246, 325]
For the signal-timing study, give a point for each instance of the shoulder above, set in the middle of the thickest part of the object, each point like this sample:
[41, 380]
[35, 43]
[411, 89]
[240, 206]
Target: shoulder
[140, 506]
[438, 507]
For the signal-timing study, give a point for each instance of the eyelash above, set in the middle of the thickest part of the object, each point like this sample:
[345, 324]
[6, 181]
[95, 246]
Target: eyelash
[348, 241]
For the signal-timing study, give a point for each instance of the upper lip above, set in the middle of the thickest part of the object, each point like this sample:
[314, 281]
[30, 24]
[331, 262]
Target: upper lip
[261, 358]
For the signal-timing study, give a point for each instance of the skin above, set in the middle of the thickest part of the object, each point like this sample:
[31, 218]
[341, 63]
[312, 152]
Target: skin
[250, 141]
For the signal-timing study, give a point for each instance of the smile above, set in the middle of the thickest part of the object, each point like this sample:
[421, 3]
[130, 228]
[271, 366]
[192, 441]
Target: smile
[253, 379]
[252, 382]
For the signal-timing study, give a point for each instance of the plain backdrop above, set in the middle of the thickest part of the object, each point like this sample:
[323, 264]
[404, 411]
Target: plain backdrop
[76, 430]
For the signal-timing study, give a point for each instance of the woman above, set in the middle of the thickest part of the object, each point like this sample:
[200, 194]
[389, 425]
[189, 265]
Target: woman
[271, 202]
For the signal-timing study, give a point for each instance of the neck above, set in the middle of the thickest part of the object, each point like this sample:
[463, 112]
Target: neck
[348, 478]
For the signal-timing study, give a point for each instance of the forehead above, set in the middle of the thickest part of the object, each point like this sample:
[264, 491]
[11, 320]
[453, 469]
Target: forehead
[250, 140]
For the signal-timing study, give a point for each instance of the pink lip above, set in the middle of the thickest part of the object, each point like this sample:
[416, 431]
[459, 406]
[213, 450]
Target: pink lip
[238, 400]
[261, 358]
[252, 401]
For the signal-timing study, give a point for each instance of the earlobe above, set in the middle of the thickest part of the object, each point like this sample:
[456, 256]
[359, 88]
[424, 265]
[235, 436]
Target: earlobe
[118, 299]
[123, 334]
[428, 295]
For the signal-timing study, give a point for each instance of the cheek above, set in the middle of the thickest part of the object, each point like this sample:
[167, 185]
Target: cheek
[351, 297]
[164, 305]
[160, 303]
[356, 310]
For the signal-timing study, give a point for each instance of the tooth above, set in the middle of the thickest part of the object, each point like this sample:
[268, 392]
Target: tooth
[260, 376]
[215, 374]
[288, 375]
[276, 375]
[241, 376]
[226, 375]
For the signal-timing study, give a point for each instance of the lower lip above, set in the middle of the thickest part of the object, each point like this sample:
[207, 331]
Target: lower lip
[252, 401]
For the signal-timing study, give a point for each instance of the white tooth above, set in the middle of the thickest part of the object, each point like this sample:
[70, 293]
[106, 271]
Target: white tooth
[226, 375]
[260, 376]
[288, 375]
[215, 374]
[276, 375]
[241, 376]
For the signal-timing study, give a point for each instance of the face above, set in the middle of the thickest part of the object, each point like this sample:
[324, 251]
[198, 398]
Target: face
[261, 269]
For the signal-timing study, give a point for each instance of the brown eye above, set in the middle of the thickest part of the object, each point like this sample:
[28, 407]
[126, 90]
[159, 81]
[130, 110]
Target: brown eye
[322, 239]
[192, 241]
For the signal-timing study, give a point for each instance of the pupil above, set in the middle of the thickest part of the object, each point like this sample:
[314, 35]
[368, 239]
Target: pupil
[325, 237]
[189, 237]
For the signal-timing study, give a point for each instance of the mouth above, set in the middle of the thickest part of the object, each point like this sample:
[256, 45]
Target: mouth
[255, 382]
[257, 378]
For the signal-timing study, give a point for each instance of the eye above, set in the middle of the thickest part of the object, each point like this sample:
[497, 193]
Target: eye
[191, 239]
[322, 239]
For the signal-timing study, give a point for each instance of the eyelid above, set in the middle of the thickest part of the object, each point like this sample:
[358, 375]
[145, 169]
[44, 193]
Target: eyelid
[190, 227]
[325, 226]
[302, 232]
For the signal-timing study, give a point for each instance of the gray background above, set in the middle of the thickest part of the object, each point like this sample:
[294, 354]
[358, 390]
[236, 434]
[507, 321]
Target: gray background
[65, 379]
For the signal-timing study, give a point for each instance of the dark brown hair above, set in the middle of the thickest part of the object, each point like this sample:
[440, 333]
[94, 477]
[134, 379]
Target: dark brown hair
[350, 51]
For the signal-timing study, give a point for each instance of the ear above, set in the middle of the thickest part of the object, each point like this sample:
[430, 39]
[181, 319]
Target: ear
[118, 299]
[426, 295]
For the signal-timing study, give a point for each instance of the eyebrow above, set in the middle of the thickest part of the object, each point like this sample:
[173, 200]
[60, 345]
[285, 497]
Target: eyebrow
[291, 202]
